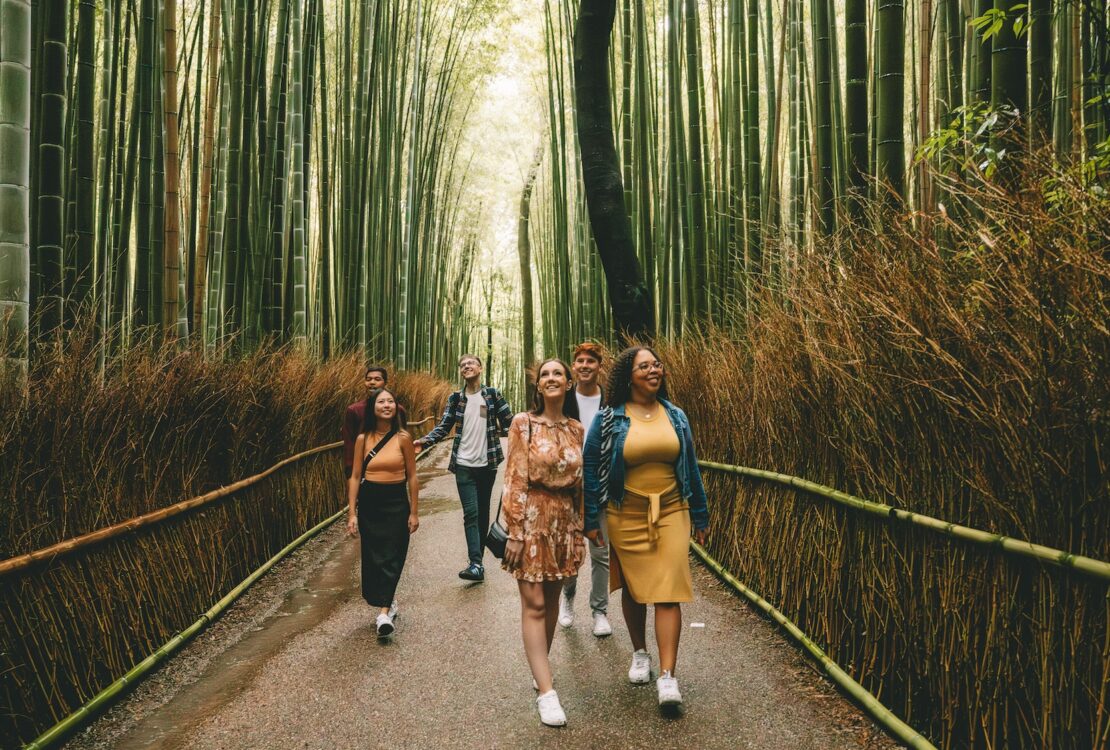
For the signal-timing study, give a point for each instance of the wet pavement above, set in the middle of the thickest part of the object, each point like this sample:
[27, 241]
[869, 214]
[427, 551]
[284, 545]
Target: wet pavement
[296, 664]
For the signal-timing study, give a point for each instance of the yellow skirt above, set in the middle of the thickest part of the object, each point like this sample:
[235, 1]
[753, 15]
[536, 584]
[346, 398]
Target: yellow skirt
[649, 548]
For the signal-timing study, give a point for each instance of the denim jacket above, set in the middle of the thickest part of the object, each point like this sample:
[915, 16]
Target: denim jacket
[686, 470]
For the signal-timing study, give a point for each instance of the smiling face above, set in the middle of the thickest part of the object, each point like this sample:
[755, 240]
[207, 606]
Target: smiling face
[385, 406]
[373, 380]
[552, 380]
[586, 367]
[647, 375]
[470, 368]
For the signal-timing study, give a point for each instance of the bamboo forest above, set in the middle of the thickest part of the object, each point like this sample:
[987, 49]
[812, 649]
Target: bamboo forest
[867, 242]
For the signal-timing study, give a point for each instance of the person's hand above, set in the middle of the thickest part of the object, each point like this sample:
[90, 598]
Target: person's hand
[701, 536]
[352, 524]
[417, 446]
[514, 553]
[414, 523]
[595, 537]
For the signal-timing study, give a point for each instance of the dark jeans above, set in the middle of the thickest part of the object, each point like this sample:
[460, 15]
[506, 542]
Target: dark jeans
[475, 487]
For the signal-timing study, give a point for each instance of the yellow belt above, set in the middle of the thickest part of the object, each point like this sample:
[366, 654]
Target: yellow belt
[655, 505]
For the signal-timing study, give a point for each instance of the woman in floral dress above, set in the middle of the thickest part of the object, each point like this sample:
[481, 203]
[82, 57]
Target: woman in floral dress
[542, 511]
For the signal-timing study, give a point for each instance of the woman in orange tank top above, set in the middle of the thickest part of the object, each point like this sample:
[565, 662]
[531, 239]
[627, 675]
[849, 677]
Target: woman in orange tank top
[382, 495]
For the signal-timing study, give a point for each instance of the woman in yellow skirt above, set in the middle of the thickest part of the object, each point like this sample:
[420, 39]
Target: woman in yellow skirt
[640, 469]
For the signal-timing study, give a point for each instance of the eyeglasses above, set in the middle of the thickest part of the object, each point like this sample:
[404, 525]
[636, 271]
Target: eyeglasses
[467, 363]
[648, 366]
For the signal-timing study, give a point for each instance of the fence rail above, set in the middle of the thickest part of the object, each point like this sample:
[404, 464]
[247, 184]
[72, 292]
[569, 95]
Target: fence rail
[69, 546]
[1021, 548]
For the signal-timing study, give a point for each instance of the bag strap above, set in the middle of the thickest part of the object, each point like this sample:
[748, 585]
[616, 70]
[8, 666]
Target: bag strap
[527, 445]
[374, 451]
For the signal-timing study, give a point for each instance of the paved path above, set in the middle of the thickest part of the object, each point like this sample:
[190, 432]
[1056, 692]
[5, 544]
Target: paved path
[296, 664]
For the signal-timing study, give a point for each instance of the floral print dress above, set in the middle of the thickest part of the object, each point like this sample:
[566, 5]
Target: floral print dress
[541, 504]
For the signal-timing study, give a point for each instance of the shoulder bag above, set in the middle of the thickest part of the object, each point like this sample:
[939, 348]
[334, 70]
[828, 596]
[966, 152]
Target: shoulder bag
[498, 535]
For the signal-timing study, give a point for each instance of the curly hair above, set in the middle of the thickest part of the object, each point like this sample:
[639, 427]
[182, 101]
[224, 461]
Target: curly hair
[570, 404]
[619, 387]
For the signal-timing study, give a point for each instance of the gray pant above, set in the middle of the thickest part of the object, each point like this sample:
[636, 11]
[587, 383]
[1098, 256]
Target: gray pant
[599, 573]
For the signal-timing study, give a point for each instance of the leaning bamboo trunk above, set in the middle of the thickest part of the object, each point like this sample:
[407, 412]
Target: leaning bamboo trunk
[629, 297]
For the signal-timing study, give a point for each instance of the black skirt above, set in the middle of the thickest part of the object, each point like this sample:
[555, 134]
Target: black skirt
[383, 528]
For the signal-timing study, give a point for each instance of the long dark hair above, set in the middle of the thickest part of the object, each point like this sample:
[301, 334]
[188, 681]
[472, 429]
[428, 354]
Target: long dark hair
[619, 388]
[370, 420]
[570, 403]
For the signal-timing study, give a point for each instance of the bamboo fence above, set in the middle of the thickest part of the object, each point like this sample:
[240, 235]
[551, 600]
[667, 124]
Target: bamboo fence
[76, 615]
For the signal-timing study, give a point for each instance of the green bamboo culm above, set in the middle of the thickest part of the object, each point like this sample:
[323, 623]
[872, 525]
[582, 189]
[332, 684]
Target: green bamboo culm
[15, 134]
[903, 731]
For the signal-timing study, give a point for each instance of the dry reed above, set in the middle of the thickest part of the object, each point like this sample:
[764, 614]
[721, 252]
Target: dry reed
[79, 452]
[957, 368]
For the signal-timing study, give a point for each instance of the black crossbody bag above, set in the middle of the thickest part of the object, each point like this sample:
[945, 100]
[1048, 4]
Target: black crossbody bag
[370, 457]
[498, 536]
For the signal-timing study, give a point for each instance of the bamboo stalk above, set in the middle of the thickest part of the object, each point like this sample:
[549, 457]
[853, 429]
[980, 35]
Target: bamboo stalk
[1080, 563]
[900, 729]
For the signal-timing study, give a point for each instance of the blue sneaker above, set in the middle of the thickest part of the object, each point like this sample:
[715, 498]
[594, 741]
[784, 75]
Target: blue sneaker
[473, 572]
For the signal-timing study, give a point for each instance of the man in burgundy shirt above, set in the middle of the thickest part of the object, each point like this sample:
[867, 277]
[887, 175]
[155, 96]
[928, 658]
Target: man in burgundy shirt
[374, 378]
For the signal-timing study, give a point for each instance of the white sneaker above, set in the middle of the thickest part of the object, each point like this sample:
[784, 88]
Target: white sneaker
[566, 611]
[551, 711]
[640, 671]
[602, 627]
[385, 625]
[667, 687]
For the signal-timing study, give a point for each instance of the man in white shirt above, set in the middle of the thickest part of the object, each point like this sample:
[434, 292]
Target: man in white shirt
[587, 366]
[482, 416]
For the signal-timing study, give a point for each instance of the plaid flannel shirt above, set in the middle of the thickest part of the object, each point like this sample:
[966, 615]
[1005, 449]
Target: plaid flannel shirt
[497, 424]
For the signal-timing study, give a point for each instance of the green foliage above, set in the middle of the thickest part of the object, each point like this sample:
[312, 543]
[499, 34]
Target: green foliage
[970, 139]
[990, 23]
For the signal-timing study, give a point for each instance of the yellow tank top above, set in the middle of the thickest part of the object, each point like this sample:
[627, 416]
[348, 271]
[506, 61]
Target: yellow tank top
[388, 466]
[650, 451]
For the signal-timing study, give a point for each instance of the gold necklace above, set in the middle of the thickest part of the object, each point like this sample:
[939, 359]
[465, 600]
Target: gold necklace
[649, 415]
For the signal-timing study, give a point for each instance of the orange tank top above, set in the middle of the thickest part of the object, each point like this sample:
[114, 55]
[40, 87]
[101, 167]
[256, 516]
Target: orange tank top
[388, 466]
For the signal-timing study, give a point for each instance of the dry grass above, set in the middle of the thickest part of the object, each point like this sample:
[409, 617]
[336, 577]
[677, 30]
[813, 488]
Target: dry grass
[78, 452]
[968, 381]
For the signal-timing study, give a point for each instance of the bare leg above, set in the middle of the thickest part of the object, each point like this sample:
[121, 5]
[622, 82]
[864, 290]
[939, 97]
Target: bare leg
[635, 617]
[668, 628]
[534, 630]
[385, 610]
[551, 591]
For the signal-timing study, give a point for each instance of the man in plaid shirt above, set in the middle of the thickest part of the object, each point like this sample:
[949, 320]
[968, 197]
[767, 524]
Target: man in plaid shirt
[481, 416]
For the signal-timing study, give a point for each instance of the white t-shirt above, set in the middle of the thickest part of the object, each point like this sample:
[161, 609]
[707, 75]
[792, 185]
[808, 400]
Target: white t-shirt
[588, 407]
[472, 447]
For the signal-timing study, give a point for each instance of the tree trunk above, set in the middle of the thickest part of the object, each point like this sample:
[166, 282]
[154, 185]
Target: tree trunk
[890, 154]
[855, 93]
[15, 176]
[524, 251]
[211, 99]
[630, 299]
[171, 247]
[51, 167]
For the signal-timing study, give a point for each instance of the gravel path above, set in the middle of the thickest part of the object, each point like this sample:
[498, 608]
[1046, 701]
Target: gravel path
[296, 664]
